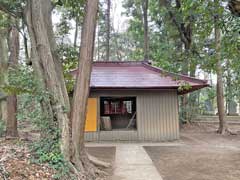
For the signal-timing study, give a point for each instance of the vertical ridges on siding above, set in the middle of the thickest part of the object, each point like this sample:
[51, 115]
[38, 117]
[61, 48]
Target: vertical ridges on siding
[158, 116]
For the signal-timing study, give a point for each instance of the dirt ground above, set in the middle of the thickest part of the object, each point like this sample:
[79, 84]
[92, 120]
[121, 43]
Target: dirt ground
[15, 161]
[203, 155]
[15, 157]
[200, 154]
[106, 154]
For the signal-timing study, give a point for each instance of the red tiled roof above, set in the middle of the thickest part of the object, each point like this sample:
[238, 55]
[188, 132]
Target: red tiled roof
[138, 75]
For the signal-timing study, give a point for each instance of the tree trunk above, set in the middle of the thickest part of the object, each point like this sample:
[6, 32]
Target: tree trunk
[185, 34]
[145, 24]
[25, 42]
[108, 29]
[3, 72]
[228, 89]
[76, 32]
[11, 126]
[220, 94]
[81, 91]
[48, 67]
[192, 99]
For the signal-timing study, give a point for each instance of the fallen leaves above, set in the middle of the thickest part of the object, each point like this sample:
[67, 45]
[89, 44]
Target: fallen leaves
[15, 163]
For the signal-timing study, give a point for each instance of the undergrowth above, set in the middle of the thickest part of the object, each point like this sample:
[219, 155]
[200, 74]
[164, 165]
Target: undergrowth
[47, 150]
[2, 127]
[30, 96]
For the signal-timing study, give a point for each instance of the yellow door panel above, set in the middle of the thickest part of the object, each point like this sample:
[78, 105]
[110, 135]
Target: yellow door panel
[91, 119]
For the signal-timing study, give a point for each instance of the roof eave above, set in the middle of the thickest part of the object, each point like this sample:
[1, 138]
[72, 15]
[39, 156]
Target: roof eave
[194, 88]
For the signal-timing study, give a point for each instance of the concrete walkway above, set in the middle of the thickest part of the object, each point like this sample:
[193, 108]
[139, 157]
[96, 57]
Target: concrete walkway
[133, 163]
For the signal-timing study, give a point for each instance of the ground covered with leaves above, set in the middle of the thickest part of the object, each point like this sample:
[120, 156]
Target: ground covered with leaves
[30, 158]
[15, 162]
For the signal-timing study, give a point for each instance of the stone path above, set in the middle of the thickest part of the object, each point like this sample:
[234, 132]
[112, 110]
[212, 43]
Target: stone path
[133, 163]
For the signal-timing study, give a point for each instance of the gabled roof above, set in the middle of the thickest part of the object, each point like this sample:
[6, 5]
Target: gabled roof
[139, 75]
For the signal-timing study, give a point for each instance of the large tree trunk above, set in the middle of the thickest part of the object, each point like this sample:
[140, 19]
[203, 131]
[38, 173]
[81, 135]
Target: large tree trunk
[11, 126]
[108, 30]
[145, 26]
[81, 91]
[3, 72]
[48, 67]
[220, 95]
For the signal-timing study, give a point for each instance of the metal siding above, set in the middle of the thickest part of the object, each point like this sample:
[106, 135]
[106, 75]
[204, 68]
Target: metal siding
[111, 136]
[91, 136]
[159, 112]
[168, 115]
[176, 126]
[157, 117]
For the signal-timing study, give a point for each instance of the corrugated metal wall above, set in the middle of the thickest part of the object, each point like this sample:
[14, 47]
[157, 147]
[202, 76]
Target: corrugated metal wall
[157, 117]
[112, 136]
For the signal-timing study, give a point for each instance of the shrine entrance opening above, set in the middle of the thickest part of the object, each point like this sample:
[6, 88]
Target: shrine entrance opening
[118, 113]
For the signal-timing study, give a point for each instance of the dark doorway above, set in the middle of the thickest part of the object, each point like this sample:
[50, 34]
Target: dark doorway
[118, 113]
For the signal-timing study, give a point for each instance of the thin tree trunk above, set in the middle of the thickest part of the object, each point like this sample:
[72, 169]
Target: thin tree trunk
[76, 32]
[25, 42]
[145, 24]
[108, 26]
[229, 95]
[185, 35]
[3, 72]
[192, 104]
[185, 69]
[81, 90]
[11, 125]
[3, 109]
[98, 42]
[220, 93]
